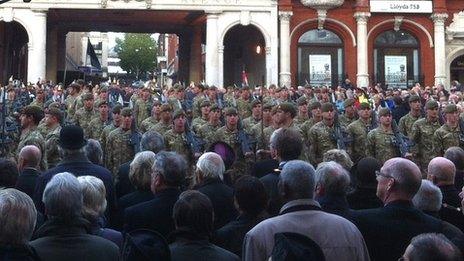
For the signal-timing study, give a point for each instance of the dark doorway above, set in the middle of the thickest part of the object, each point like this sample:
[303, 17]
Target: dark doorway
[13, 51]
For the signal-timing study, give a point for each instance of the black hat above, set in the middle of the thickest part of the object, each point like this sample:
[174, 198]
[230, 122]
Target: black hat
[72, 137]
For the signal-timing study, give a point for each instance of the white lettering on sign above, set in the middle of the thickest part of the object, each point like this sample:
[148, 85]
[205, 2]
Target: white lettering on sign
[378, 6]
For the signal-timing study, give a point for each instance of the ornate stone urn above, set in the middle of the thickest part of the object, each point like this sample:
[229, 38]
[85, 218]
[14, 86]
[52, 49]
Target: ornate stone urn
[322, 6]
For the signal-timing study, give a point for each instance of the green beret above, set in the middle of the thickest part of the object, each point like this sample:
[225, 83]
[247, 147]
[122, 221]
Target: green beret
[451, 108]
[178, 113]
[230, 111]
[302, 101]
[87, 96]
[255, 103]
[414, 98]
[287, 107]
[165, 107]
[431, 104]
[126, 111]
[267, 106]
[348, 102]
[31, 110]
[205, 103]
[117, 109]
[384, 112]
[315, 105]
[178, 87]
[214, 107]
[364, 106]
[104, 89]
[102, 102]
[326, 107]
[56, 112]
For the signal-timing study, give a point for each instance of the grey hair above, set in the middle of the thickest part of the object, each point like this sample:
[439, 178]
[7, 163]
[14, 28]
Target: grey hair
[17, 217]
[211, 165]
[62, 196]
[298, 177]
[152, 141]
[140, 170]
[333, 178]
[431, 246]
[67, 153]
[339, 156]
[94, 152]
[442, 168]
[428, 198]
[172, 166]
[93, 192]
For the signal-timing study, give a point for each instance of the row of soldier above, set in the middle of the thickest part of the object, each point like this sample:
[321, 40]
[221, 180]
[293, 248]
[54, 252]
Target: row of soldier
[359, 121]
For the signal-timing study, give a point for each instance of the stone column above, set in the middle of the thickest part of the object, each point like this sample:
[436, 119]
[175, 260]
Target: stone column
[362, 77]
[221, 67]
[285, 75]
[37, 47]
[195, 55]
[439, 46]
[104, 59]
[212, 59]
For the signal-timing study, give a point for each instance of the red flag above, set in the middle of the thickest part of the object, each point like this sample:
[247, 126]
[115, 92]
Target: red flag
[244, 78]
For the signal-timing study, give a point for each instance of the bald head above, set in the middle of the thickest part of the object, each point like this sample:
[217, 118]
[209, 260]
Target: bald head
[441, 171]
[406, 174]
[29, 156]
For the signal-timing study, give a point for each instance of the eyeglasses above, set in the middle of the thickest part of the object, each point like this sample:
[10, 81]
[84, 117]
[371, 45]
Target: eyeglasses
[380, 174]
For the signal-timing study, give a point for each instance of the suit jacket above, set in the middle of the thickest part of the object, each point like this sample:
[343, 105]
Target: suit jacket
[78, 167]
[364, 198]
[452, 199]
[264, 167]
[123, 185]
[130, 200]
[270, 182]
[388, 230]
[222, 198]
[155, 214]
[27, 180]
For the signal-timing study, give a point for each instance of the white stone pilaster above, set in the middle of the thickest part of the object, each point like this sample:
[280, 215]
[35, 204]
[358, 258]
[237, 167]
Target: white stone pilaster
[221, 67]
[212, 57]
[362, 77]
[285, 75]
[36, 60]
[440, 53]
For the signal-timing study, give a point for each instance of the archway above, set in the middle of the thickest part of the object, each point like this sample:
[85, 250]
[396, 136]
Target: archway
[457, 69]
[13, 51]
[244, 50]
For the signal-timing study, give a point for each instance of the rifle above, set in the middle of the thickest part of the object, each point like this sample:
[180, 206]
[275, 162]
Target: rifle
[135, 138]
[401, 141]
[340, 136]
[195, 143]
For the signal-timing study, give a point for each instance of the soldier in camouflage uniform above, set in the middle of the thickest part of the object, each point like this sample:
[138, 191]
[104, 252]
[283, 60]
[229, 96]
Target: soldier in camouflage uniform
[316, 116]
[39, 98]
[119, 147]
[73, 92]
[206, 132]
[349, 115]
[102, 96]
[178, 101]
[255, 117]
[358, 132]
[165, 122]
[449, 134]
[150, 122]
[405, 123]
[243, 103]
[98, 124]
[303, 113]
[200, 121]
[42, 127]
[30, 117]
[53, 118]
[115, 123]
[421, 135]
[200, 96]
[258, 130]
[85, 114]
[321, 135]
[142, 107]
[175, 139]
[381, 141]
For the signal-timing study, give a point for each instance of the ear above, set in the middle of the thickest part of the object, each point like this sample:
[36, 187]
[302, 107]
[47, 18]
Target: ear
[319, 190]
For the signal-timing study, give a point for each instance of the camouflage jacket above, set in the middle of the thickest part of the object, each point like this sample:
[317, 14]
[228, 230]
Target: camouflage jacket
[96, 128]
[51, 147]
[161, 128]
[197, 123]
[345, 120]
[406, 122]
[248, 124]
[83, 117]
[142, 110]
[445, 137]
[104, 140]
[381, 144]
[358, 132]
[119, 149]
[421, 135]
[322, 139]
[147, 124]
[206, 133]
[178, 142]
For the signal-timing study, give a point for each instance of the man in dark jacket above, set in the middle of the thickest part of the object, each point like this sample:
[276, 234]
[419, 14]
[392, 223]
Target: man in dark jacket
[364, 196]
[388, 230]
[456, 155]
[28, 165]
[209, 177]
[65, 235]
[168, 174]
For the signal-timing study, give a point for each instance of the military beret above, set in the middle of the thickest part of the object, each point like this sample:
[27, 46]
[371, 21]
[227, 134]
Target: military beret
[56, 112]
[278, 89]
[102, 102]
[230, 111]
[302, 101]
[287, 107]
[327, 107]
[414, 98]
[205, 103]
[315, 105]
[126, 111]
[31, 110]
[117, 109]
[255, 103]
[165, 107]
[87, 96]
[364, 106]
[431, 104]
[450, 108]
[157, 103]
[267, 106]
[384, 112]
[178, 113]
[348, 102]
[178, 87]
[214, 107]
[104, 89]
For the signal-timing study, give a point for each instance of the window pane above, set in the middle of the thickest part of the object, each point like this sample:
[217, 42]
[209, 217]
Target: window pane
[319, 37]
[396, 38]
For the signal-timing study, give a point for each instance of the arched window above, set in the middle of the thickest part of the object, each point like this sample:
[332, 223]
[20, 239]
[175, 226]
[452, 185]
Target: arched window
[320, 58]
[396, 59]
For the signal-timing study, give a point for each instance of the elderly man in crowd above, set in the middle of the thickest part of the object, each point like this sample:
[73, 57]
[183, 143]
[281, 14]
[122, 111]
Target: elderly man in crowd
[428, 198]
[28, 165]
[209, 177]
[456, 155]
[338, 238]
[364, 196]
[168, 174]
[441, 172]
[389, 229]
[431, 247]
[18, 218]
[64, 235]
